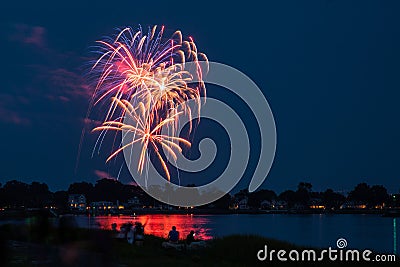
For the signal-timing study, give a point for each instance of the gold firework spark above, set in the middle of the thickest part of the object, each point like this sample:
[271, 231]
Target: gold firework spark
[144, 133]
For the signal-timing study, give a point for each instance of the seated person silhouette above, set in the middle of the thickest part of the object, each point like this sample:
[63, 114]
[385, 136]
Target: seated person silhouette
[173, 235]
[190, 237]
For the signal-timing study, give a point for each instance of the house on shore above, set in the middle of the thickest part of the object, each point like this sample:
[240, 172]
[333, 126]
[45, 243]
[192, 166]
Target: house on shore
[77, 202]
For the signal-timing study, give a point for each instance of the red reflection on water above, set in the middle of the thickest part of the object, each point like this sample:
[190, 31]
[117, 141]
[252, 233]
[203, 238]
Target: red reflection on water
[160, 225]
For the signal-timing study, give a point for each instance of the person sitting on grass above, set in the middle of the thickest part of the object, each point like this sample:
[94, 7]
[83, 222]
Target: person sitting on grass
[139, 233]
[190, 237]
[130, 236]
[173, 235]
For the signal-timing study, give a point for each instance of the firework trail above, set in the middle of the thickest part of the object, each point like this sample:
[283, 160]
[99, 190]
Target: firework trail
[144, 133]
[142, 76]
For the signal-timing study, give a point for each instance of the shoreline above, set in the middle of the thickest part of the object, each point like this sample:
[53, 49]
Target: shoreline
[23, 214]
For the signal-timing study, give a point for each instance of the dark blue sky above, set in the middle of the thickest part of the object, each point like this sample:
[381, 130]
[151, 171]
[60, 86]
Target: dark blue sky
[329, 69]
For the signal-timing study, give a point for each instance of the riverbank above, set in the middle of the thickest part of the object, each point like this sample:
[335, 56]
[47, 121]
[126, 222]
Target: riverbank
[40, 244]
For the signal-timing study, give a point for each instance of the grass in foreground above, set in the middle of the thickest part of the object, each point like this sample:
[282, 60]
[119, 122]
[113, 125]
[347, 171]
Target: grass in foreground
[41, 245]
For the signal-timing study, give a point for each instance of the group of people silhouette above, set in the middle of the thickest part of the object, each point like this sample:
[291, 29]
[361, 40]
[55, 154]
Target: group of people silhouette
[134, 234]
[173, 236]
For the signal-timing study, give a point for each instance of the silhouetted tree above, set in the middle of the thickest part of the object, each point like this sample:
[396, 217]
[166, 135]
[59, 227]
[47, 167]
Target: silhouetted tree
[16, 193]
[108, 189]
[360, 193]
[60, 199]
[39, 195]
[378, 195]
[2, 197]
[303, 193]
[289, 196]
[304, 186]
[395, 200]
[242, 194]
[332, 199]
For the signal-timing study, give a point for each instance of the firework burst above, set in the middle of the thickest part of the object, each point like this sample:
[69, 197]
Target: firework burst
[143, 76]
[133, 64]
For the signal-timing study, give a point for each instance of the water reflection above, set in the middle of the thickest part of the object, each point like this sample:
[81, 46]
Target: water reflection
[160, 225]
[372, 232]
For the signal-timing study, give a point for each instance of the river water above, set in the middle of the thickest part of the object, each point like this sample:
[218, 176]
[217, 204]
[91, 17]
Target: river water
[361, 231]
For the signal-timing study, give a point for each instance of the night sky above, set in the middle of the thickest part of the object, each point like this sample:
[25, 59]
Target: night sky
[329, 69]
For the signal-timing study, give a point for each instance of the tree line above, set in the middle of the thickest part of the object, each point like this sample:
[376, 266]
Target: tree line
[370, 196]
[17, 194]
